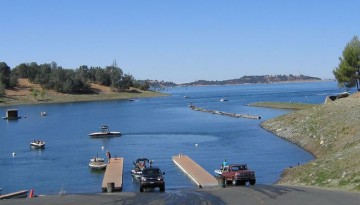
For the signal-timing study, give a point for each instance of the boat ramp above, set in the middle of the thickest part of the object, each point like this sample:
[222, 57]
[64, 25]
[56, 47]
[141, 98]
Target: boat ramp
[113, 177]
[198, 174]
[235, 115]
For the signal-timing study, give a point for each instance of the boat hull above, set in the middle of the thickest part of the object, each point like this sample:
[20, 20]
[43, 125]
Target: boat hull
[97, 167]
[97, 163]
[37, 146]
[101, 134]
[136, 174]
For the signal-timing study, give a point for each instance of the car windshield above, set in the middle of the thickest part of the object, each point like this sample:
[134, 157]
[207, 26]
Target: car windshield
[151, 171]
[240, 167]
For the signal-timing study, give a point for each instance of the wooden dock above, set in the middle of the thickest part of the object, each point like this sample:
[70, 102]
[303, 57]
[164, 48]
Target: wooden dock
[13, 195]
[198, 174]
[113, 177]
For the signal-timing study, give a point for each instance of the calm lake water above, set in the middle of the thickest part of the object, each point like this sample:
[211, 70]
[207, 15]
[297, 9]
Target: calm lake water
[157, 128]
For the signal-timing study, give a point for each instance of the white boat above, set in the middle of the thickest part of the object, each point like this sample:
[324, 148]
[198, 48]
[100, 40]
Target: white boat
[97, 163]
[218, 171]
[104, 132]
[223, 100]
[37, 144]
[139, 165]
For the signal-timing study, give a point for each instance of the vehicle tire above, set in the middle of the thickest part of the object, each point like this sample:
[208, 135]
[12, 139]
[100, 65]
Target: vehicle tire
[252, 182]
[141, 189]
[234, 182]
[162, 188]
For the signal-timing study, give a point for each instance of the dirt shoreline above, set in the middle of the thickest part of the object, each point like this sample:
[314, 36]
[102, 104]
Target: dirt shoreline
[28, 93]
[331, 133]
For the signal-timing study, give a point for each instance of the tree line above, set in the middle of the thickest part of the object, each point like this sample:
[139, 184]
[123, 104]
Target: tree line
[72, 81]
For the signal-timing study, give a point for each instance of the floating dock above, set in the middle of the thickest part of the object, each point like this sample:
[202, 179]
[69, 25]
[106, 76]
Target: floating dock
[113, 177]
[235, 115]
[198, 174]
[18, 194]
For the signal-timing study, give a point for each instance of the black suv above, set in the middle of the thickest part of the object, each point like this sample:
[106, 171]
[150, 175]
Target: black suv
[151, 178]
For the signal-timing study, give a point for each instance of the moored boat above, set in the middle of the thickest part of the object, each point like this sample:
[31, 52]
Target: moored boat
[97, 163]
[104, 132]
[37, 144]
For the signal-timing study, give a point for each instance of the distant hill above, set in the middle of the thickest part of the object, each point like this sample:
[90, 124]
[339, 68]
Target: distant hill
[256, 79]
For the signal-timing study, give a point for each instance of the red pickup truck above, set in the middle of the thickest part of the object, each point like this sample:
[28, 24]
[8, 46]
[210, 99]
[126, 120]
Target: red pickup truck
[238, 174]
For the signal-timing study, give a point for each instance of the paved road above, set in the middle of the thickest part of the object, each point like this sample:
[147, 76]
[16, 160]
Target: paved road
[249, 195]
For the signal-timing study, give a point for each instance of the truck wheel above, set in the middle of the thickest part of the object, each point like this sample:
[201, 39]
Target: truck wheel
[162, 188]
[234, 182]
[141, 189]
[252, 182]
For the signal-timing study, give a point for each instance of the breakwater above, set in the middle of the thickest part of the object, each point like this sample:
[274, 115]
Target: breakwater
[235, 115]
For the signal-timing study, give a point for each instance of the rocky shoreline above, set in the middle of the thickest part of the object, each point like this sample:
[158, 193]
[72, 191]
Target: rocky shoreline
[332, 134]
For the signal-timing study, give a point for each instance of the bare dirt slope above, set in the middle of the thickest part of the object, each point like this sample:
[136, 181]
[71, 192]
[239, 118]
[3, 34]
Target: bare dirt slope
[332, 133]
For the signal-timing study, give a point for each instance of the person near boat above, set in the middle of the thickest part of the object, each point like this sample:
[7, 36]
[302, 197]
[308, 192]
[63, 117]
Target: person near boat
[108, 155]
[224, 164]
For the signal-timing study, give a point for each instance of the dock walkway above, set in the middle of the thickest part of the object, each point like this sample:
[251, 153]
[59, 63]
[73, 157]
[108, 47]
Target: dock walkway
[198, 174]
[113, 174]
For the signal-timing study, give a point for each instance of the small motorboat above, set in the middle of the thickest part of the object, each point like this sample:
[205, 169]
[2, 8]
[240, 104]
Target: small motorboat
[97, 163]
[223, 100]
[104, 132]
[140, 164]
[37, 144]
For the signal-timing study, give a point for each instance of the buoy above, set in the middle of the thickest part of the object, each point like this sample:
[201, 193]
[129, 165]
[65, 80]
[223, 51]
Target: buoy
[13, 154]
[196, 145]
[102, 147]
[31, 195]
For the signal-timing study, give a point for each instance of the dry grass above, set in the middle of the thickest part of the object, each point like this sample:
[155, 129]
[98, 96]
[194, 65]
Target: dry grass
[332, 133]
[23, 94]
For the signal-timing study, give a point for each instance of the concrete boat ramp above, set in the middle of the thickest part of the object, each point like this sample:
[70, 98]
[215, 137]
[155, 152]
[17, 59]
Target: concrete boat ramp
[113, 177]
[198, 174]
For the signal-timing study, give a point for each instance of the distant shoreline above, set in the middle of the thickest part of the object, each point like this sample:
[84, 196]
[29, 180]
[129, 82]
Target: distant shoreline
[69, 98]
[294, 81]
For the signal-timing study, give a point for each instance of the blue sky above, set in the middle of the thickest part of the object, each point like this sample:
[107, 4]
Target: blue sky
[181, 40]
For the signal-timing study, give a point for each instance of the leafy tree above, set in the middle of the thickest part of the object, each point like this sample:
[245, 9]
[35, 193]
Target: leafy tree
[126, 82]
[115, 74]
[34, 92]
[102, 77]
[13, 79]
[34, 69]
[2, 89]
[5, 74]
[22, 70]
[348, 72]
